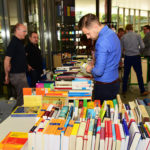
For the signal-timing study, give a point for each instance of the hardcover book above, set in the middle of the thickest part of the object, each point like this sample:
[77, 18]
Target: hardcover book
[21, 111]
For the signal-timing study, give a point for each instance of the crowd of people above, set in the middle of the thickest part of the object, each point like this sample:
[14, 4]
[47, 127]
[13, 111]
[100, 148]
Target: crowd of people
[133, 47]
[20, 59]
[109, 48]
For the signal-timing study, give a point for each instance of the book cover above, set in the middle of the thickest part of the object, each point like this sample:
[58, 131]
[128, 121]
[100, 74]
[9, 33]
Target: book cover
[118, 137]
[32, 100]
[27, 91]
[14, 141]
[134, 136]
[21, 111]
[80, 135]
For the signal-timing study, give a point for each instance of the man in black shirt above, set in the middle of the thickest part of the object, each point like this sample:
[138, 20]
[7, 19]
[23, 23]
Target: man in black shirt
[34, 58]
[15, 62]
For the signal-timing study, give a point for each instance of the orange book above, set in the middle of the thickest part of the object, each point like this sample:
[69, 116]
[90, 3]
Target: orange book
[14, 141]
[60, 127]
[40, 91]
[27, 91]
[69, 128]
[57, 93]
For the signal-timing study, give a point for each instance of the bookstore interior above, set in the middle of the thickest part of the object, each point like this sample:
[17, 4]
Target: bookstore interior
[59, 113]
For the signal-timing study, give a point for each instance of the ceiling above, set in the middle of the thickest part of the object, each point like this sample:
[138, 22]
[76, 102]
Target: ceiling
[134, 4]
[90, 5]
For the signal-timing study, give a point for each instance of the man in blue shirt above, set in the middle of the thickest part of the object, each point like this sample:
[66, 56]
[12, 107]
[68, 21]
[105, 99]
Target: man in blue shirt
[107, 57]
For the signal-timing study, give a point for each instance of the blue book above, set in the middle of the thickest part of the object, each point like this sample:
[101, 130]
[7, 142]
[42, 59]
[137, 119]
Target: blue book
[126, 133]
[22, 111]
[114, 136]
[147, 101]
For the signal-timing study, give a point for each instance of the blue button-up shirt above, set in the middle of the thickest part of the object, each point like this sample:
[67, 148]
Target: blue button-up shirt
[107, 56]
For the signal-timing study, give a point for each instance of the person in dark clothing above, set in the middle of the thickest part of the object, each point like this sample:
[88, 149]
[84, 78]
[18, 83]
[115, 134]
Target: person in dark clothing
[34, 58]
[15, 64]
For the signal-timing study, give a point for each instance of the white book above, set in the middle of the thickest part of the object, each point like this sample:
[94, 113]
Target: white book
[135, 136]
[122, 137]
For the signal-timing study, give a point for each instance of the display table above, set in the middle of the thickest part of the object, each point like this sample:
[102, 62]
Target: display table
[20, 124]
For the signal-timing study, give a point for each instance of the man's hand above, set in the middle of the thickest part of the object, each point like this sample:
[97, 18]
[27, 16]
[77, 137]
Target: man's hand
[30, 68]
[89, 68]
[7, 67]
[6, 79]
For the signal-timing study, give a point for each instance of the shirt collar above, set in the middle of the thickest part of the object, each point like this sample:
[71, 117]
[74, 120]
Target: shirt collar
[103, 30]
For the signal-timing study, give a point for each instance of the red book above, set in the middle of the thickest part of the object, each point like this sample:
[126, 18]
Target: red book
[132, 120]
[87, 127]
[118, 137]
[110, 136]
[72, 9]
[106, 135]
[126, 117]
[65, 11]
[85, 138]
[98, 126]
[102, 138]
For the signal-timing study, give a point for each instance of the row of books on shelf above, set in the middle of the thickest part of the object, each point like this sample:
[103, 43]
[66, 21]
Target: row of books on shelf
[48, 92]
[92, 134]
[53, 123]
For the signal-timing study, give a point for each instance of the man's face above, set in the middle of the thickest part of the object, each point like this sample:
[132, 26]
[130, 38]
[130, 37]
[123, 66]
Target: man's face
[145, 30]
[91, 32]
[34, 38]
[21, 32]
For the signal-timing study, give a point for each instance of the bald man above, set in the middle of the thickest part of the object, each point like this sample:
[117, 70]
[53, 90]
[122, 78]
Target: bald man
[15, 62]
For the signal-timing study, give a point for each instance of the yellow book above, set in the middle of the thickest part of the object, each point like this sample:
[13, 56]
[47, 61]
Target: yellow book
[145, 116]
[90, 105]
[32, 100]
[110, 102]
[84, 113]
[103, 110]
[132, 105]
[68, 11]
[75, 129]
[72, 140]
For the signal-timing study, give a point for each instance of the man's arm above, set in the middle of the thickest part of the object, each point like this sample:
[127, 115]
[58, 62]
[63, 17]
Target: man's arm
[7, 67]
[141, 43]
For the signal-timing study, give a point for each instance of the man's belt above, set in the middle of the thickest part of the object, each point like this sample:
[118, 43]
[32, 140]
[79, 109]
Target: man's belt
[99, 82]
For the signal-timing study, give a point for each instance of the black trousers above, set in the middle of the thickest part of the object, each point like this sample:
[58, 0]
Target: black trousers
[134, 61]
[106, 91]
[35, 77]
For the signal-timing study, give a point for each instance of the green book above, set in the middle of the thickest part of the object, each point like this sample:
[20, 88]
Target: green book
[115, 102]
[84, 102]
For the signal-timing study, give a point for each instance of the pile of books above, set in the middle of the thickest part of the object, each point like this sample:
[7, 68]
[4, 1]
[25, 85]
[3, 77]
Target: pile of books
[86, 125]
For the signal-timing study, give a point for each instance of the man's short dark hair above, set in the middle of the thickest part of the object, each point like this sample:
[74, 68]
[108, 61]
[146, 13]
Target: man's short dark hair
[129, 27]
[30, 34]
[120, 30]
[86, 20]
[147, 26]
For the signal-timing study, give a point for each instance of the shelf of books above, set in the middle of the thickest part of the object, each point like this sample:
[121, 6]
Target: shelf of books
[66, 118]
